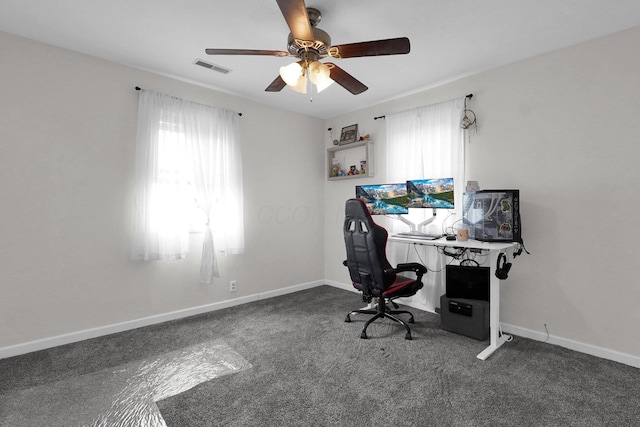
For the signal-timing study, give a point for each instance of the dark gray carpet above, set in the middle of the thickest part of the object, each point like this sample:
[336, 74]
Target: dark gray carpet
[309, 368]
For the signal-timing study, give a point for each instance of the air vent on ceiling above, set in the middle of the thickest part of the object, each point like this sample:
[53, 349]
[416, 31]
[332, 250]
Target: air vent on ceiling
[211, 66]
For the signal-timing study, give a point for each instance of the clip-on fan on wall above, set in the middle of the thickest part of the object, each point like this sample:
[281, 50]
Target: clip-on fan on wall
[309, 44]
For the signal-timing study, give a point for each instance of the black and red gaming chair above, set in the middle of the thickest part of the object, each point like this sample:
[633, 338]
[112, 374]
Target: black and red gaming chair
[370, 270]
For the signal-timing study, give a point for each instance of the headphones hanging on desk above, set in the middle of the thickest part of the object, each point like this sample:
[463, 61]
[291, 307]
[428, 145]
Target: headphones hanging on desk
[502, 267]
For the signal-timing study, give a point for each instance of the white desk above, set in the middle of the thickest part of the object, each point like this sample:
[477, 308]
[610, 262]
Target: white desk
[494, 288]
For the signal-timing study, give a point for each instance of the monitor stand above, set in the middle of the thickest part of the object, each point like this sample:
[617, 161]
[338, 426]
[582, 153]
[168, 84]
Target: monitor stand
[413, 227]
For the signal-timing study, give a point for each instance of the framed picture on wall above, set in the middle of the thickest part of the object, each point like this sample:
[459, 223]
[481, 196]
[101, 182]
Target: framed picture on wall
[349, 134]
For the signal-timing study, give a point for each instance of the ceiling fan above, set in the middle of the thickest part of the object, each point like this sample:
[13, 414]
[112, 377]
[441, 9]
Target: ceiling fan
[309, 44]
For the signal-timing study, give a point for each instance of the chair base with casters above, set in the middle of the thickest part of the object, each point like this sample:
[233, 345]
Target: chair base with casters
[383, 311]
[403, 286]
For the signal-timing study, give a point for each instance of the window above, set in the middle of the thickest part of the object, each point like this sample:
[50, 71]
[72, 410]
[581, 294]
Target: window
[188, 177]
[427, 142]
[176, 200]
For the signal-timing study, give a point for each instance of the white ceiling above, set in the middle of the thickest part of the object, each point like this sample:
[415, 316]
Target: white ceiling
[450, 39]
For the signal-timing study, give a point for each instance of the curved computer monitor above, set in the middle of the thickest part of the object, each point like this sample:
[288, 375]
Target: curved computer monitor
[436, 193]
[384, 199]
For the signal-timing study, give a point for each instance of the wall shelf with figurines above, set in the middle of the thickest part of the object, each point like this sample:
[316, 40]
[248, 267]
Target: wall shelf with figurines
[349, 161]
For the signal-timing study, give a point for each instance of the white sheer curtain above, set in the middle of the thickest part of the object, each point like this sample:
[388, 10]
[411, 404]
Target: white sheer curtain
[427, 142]
[187, 154]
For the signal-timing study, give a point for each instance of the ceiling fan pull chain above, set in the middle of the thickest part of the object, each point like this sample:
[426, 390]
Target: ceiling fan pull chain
[311, 89]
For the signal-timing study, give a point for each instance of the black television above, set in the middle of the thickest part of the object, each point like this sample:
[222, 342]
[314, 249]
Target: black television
[384, 199]
[435, 193]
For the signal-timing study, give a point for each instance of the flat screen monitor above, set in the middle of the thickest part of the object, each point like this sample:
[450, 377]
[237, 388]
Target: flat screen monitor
[384, 199]
[430, 193]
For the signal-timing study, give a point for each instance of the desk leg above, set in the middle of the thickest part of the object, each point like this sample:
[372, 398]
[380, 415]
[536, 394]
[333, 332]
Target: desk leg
[494, 311]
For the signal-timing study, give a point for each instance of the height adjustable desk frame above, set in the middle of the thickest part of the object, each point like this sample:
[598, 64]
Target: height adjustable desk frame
[494, 249]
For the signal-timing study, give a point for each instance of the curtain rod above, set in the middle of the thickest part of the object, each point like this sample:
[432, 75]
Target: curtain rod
[139, 88]
[382, 117]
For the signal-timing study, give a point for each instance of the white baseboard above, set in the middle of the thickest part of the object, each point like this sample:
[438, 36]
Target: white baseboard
[343, 286]
[603, 353]
[42, 344]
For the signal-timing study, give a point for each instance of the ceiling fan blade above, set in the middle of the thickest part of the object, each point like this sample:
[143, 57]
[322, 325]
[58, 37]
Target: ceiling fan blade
[345, 79]
[395, 46]
[276, 86]
[246, 52]
[295, 13]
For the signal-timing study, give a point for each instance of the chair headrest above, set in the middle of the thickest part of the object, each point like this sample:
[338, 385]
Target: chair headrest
[356, 208]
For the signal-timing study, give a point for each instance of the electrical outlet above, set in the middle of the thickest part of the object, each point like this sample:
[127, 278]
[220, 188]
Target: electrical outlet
[232, 286]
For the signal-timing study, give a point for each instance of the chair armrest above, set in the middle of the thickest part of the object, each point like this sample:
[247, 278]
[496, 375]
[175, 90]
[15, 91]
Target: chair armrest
[419, 269]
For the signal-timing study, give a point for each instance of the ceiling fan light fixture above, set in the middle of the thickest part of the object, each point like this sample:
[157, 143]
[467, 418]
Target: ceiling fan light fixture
[291, 73]
[319, 74]
[295, 75]
[301, 85]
